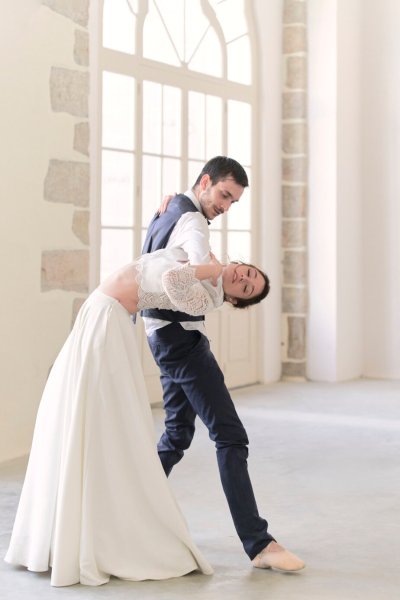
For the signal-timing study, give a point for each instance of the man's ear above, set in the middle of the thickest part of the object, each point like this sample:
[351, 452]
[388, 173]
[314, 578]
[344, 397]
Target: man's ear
[204, 181]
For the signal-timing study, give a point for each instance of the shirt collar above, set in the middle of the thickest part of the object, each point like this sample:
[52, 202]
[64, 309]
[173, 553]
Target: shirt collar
[191, 195]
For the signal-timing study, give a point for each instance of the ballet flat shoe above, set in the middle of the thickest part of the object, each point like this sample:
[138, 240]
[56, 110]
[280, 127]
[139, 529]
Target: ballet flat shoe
[278, 558]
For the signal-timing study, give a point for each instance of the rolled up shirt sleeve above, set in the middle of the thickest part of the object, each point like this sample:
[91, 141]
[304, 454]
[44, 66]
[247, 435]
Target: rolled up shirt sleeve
[192, 235]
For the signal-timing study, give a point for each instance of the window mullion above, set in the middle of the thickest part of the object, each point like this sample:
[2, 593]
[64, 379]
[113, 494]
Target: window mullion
[137, 223]
[224, 234]
[184, 140]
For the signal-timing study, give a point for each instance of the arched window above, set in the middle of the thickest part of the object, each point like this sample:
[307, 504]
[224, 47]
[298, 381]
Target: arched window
[177, 89]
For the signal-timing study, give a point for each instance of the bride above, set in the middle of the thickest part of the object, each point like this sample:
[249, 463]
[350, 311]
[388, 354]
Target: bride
[96, 502]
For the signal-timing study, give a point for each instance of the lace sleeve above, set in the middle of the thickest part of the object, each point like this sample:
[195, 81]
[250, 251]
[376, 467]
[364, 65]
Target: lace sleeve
[188, 294]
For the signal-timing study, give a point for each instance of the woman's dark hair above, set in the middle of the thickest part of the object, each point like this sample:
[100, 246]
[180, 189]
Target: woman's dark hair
[222, 167]
[244, 302]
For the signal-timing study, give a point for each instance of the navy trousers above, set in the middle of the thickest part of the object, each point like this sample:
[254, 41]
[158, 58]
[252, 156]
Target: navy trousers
[193, 384]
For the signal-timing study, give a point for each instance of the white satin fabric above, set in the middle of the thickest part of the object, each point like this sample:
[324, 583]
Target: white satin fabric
[95, 500]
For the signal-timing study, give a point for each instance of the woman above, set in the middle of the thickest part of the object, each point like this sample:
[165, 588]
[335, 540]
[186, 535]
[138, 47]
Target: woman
[95, 500]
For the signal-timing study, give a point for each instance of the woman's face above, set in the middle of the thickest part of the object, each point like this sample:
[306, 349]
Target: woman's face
[242, 281]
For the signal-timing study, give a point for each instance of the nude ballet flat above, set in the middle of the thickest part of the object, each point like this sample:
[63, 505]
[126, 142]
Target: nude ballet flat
[278, 558]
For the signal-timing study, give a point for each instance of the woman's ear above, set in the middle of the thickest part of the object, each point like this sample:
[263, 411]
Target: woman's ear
[231, 300]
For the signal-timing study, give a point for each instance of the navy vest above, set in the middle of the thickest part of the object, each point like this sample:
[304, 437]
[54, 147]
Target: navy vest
[157, 237]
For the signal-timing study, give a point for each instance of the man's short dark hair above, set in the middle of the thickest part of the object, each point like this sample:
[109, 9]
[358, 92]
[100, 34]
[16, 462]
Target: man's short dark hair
[222, 167]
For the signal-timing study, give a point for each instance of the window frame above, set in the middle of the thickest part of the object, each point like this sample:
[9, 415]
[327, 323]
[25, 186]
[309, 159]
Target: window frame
[141, 68]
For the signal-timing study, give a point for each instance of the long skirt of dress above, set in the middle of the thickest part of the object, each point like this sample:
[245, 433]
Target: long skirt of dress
[95, 500]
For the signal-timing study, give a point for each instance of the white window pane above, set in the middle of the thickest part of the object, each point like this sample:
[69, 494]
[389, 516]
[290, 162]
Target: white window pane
[171, 120]
[239, 60]
[117, 188]
[151, 187]
[232, 17]
[208, 56]
[239, 215]
[171, 180]
[194, 170]
[172, 15]
[196, 125]
[239, 131]
[133, 5]
[157, 44]
[143, 236]
[118, 111]
[213, 126]
[196, 25]
[216, 243]
[116, 250]
[119, 24]
[239, 246]
[239, 344]
[152, 107]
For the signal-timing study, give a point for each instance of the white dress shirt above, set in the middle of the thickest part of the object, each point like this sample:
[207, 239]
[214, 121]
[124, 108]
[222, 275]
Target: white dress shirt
[192, 235]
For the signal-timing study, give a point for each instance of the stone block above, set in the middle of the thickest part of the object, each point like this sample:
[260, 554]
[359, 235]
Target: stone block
[294, 300]
[294, 39]
[76, 305]
[81, 137]
[81, 48]
[294, 370]
[294, 170]
[294, 234]
[294, 267]
[296, 72]
[67, 181]
[77, 10]
[80, 225]
[294, 201]
[69, 91]
[296, 337]
[294, 138]
[65, 270]
[294, 11]
[294, 105]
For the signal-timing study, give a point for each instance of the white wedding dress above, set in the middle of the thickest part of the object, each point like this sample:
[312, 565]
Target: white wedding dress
[95, 500]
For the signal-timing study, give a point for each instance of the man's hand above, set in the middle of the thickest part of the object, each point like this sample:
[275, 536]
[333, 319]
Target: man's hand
[218, 268]
[211, 270]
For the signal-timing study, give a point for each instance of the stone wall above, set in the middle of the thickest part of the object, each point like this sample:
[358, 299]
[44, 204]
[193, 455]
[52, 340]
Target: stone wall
[294, 190]
[69, 181]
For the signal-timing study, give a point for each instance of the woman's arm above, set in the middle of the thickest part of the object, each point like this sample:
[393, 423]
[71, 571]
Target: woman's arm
[187, 293]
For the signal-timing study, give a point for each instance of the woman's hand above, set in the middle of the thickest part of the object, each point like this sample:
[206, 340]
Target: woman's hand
[164, 204]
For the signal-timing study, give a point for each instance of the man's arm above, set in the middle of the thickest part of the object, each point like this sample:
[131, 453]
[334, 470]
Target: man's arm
[192, 235]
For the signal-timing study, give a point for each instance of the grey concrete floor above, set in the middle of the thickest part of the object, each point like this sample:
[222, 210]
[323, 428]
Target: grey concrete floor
[325, 465]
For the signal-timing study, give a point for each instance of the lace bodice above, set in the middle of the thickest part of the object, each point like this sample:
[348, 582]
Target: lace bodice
[166, 282]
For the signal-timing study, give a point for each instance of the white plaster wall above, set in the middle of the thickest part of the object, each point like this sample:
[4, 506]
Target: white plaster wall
[335, 326]
[269, 21]
[33, 325]
[323, 185]
[349, 224]
[354, 182]
[380, 112]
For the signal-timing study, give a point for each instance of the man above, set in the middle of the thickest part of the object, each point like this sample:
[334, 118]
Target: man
[193, 383]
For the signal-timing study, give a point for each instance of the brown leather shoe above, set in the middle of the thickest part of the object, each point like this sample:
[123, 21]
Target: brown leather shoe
[274, 556]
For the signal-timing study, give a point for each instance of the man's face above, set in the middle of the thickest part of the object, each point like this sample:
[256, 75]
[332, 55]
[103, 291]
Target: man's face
[217, 199]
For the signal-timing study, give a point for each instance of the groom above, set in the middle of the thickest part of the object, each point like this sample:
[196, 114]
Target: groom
[193, 383]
